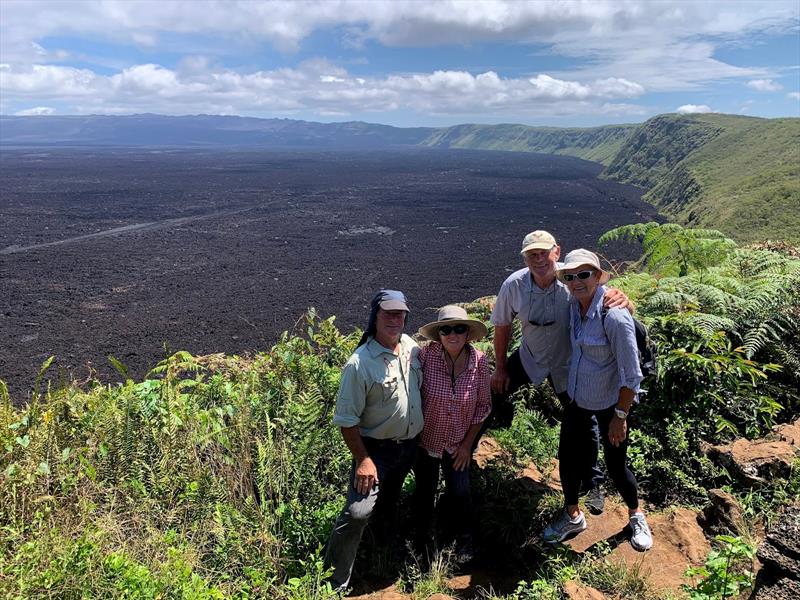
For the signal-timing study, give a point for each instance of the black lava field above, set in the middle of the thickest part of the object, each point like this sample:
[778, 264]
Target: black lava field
[132, 253]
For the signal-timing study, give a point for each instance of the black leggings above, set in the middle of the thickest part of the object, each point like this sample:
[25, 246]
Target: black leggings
[577, 452]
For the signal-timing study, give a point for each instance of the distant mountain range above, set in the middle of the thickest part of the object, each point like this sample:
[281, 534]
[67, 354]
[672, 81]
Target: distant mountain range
[738, 174]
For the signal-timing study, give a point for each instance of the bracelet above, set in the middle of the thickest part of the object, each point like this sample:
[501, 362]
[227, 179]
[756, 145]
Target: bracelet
[620, 413]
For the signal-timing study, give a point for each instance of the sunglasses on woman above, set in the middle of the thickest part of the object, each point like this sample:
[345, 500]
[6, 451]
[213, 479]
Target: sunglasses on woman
[581, 275]
[459, 329]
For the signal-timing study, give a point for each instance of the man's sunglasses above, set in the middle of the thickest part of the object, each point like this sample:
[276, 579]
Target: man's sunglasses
[581, 275]
[459, 329]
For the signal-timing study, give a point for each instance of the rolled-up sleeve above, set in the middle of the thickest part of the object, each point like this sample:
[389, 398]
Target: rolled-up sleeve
[351, 400]
[622, 338]
[503, 312]
[484, 404]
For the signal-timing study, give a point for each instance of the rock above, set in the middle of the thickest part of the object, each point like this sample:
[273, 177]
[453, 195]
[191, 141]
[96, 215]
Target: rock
[440, 597]
[532, 478]
[723, 511]
[779, 554]
[771, 589]
[577, 591]
[487, 451]
[755, 462]
[789, 432]
[678, 543]
[781, 548]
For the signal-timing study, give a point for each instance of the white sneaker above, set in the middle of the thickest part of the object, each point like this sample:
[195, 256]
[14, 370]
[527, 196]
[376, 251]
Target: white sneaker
[641, 538]
[563, 527]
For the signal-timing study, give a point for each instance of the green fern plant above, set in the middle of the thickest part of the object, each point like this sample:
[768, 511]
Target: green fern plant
[672, 249]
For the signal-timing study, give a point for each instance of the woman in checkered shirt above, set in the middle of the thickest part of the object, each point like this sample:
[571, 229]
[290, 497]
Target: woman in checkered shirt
[456, 399]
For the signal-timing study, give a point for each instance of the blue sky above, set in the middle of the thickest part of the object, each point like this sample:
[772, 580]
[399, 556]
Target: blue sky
[562, 63]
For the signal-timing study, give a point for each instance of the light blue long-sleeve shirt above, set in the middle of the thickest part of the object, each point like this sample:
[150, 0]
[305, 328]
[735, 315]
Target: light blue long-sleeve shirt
[605, 357]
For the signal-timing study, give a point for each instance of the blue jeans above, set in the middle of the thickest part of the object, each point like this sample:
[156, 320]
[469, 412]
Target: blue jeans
[457, 491]
[393, 460]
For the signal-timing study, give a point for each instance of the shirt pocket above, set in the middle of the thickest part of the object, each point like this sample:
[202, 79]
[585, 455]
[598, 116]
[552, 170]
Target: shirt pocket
[596, 348]
[389, 387]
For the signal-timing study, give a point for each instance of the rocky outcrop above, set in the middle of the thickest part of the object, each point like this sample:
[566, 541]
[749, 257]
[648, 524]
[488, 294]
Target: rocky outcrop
[758, 462]
[678, 543]
[577, 591]
[722, 513]
[779, 577]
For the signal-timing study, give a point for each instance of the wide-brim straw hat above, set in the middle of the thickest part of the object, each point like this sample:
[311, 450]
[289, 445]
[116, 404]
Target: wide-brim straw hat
[454, 315]
[582, 258]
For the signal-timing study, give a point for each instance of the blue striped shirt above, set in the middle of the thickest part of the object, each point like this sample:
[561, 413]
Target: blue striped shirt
[605, 357]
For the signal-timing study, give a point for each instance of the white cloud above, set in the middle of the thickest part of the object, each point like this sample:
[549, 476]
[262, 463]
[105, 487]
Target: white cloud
[609, 33]
[45, 81]
[316, 85]
[35, 111]
[692, 109]
[793, 95]
[615, 50]
[764, 85]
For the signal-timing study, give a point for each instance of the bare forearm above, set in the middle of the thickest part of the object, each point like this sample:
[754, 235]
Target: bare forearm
[472, 433]
[502, 336]
[626, 396]
[352, 438]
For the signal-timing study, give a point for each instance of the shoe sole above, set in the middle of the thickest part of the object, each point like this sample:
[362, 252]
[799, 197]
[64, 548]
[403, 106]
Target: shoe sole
[640, 548]
[595, 510]
[568, 535]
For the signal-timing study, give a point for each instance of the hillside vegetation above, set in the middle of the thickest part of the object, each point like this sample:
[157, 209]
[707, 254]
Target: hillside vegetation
[598, 144]
[220, 477]
[737, 174]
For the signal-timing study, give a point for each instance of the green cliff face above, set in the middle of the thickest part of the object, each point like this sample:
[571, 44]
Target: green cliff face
[598, 144]
[737, 174]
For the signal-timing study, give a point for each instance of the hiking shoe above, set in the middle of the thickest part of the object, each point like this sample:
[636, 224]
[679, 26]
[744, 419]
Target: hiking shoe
[563, 527]
[641, 538]
[464, 552]
[595, 501]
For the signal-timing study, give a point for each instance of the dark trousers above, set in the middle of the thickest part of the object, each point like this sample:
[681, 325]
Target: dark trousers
[393, 460]
[457, 493]
[503, 413]
[577, 451]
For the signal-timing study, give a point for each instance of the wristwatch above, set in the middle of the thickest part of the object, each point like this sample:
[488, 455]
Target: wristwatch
[621, 414]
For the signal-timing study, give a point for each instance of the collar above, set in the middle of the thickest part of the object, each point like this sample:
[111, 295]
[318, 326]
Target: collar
[472, 362]
[596, 307]
[534, 288]
[375, 348]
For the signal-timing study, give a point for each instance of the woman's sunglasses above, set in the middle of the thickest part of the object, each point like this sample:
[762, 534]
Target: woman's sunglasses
[457, 329]
[581, 275]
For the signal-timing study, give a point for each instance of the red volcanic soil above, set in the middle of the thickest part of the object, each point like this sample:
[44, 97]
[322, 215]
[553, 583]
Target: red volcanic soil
[123, 252]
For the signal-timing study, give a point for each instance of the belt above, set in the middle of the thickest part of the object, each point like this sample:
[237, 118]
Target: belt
[387, 441]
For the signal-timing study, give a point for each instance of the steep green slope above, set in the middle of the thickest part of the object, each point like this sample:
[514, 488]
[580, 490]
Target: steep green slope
[737, 174]
[599, 144]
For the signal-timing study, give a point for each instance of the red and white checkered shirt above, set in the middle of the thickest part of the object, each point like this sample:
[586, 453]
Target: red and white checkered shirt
[449, 413]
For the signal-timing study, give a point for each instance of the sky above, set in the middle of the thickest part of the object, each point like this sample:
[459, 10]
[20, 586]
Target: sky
[403, 63]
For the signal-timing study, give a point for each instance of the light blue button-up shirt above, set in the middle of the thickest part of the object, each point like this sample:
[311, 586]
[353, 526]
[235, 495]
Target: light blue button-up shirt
[605, 357]
[544, 316]
[380, 391]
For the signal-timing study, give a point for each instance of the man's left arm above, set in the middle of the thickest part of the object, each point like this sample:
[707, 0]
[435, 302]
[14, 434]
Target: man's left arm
[614, 298]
